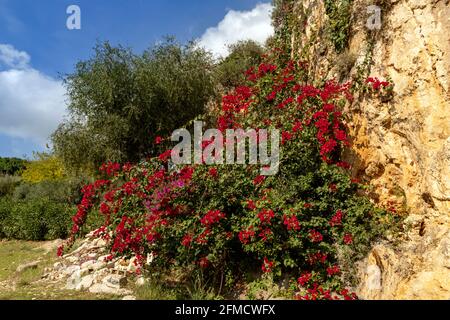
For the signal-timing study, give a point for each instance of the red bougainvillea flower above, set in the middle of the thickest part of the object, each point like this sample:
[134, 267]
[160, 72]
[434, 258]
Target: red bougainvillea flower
[355, 180]
[186, 241]
[109, 196]
[251, 205]
[158, 140]
[60, 251]
[297, 126]
[291, 222]
[315, 236]
[271, 96]
[333, 270]
[348, 239]
[245, 236]
[265, 234]
[258, 180]
[127, 167]
[327, 107]
[212, 217]
[285, 103]
[266, 215]
[336, 219]
[265, 68]
[343, 164]
[165, 155]
[328, 147]
[285, 136]
[340, 135]
[105, 209]
[348, 295]
[304, 279]
[203, 262]
[317, 257]
[213, 172]
[267, 265]
[376, 83]
[129, 187]
[110, 168]
[202, 238]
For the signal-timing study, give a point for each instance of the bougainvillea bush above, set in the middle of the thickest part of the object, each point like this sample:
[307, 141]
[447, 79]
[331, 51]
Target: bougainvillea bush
[307, 223]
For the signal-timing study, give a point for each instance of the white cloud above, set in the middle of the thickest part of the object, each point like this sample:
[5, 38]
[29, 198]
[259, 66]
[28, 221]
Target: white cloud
[32, 104]
[239, 25]
[13, 58]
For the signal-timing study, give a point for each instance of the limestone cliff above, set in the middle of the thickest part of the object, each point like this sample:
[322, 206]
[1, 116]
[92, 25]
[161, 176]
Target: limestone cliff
[401, 144]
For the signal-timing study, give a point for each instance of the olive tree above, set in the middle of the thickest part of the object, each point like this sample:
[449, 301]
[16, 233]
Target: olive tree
[119, 101]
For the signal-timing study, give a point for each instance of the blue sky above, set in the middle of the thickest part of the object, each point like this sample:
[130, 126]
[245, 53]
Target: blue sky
[36, 47]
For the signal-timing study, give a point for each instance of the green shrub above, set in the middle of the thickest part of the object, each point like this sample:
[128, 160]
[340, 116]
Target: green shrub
[65, 191]
[37, 219]
[6, 205]
[39, 211]
[12, 166]
[243, 55]
[8, 184]
[339, 14]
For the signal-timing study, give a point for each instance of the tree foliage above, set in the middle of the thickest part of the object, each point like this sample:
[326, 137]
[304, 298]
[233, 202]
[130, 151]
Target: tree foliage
[11, 166]
[120, 101]
[243, 55]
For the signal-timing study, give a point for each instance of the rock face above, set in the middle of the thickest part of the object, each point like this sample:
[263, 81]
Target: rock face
[401, 145]
[86, 268]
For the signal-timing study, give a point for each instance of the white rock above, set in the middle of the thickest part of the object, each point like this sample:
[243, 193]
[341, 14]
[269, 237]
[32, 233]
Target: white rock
[92, 256]
[72, 259]
[82, 247]
[103, 288]
[58, 266]
[85, 271]
[129, 298]
[86, 282]
[71, 269]
[88, 264]
[74, 280]
[101, 242]
[115, 281]
[99, 265]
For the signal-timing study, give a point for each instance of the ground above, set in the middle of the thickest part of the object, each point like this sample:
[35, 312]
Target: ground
[30, 284]
[26, 285]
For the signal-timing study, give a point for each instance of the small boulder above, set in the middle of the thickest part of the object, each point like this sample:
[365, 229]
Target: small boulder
[74, 280]
[27, 266]
[71, 269]
[88, 264]
[103, 288]
[115, 281]
[86, 282]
